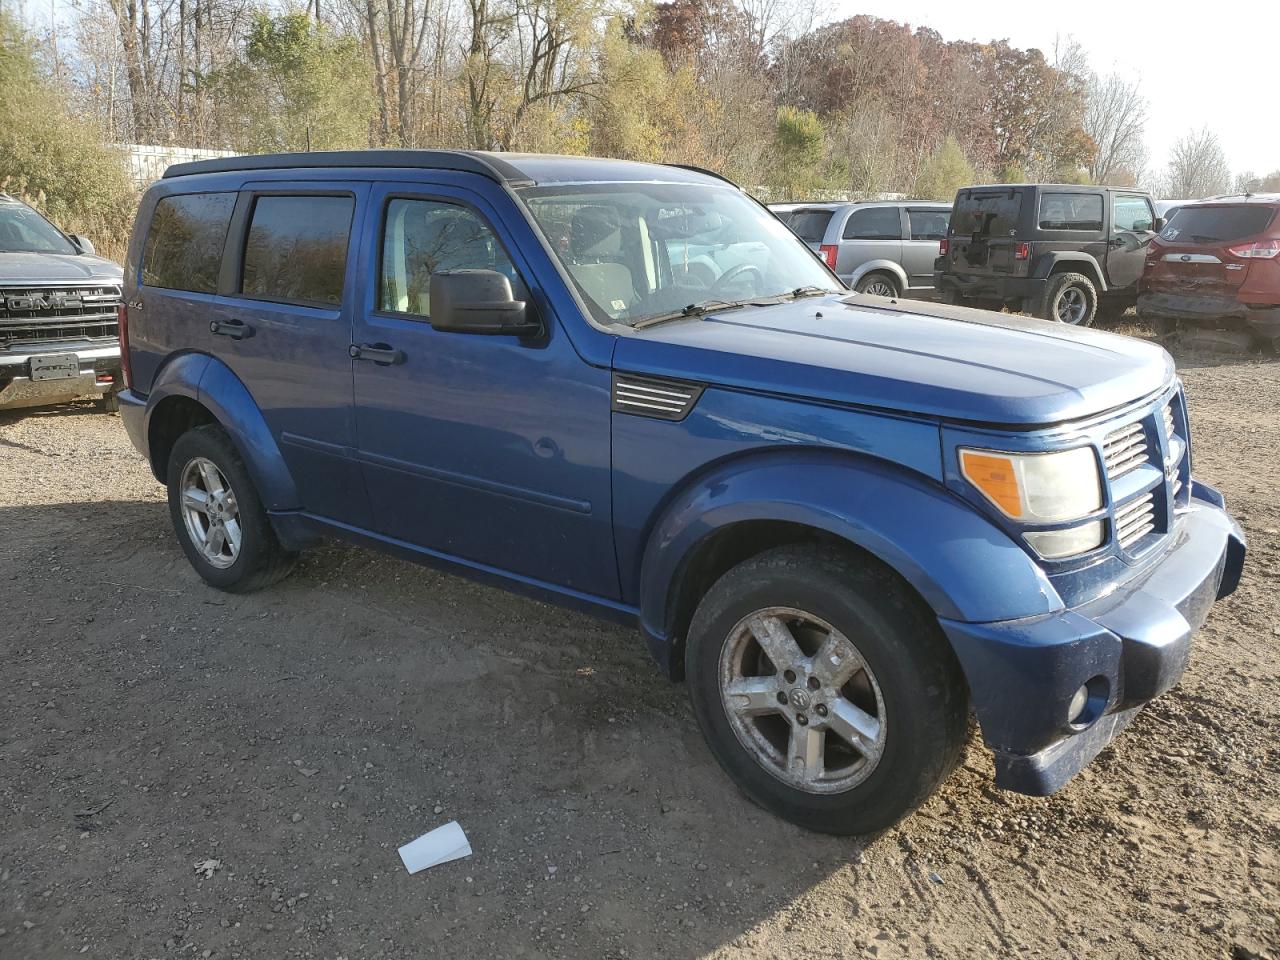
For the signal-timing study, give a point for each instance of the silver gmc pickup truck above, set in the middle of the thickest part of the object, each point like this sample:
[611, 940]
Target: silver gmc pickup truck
[59, 314]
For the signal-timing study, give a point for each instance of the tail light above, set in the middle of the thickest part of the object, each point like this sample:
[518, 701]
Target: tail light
[1021, 251]
[1258, 250]
[944, 246]
[828, 252]
[122, 314]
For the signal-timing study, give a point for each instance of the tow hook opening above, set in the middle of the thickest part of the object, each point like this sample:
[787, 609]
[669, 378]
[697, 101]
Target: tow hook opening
[1087, 704]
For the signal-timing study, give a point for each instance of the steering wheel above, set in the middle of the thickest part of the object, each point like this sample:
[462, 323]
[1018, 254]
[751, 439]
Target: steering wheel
[736, 271]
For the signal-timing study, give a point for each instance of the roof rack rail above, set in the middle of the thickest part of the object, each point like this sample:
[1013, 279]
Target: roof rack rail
[703, 170]
[463, 161]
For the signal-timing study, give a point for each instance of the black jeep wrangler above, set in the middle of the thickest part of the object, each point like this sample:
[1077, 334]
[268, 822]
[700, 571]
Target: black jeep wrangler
[1058, 251]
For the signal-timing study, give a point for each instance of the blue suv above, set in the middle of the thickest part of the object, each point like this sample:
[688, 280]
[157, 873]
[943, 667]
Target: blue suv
[846, 522]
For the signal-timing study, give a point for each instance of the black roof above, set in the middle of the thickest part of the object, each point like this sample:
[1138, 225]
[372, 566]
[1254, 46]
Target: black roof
[1056, 187]
[516, 169]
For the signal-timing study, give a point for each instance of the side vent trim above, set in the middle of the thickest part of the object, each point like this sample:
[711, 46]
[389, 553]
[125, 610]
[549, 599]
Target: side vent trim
[655, 397]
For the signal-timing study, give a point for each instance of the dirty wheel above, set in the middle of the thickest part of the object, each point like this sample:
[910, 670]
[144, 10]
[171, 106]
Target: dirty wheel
[825, 689]
[878, 285]
[218, 517]
[1070, 298]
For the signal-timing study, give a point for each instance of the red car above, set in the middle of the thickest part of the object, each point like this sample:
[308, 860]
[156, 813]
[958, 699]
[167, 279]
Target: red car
[1217, 263]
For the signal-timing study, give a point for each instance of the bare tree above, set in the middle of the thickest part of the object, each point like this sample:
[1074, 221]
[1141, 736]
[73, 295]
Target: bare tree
[1115, 117]
[1198, 167]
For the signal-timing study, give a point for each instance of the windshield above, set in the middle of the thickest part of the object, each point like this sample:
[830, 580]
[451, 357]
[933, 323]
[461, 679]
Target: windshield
[22, 230]
[638, 251]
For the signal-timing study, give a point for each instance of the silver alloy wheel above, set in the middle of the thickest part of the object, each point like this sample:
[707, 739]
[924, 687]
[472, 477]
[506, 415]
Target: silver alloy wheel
[880, 288]
[210, 512]
[802, 700]
[1071, 305]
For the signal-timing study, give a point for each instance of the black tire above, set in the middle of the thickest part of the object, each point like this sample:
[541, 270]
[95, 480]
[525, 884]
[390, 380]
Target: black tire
[109, 403]
[877, 277]
[1058, 286]
[925, 699]
[262, 561]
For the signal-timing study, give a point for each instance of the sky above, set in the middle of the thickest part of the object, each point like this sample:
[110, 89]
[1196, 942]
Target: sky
[1199, 64]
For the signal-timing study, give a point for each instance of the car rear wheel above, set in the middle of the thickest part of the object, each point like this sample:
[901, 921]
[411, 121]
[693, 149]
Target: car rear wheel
[1070, 298]
[219, 519]
[825, 689]
[878, 285]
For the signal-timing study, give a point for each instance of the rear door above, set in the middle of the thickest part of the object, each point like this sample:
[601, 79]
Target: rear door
[1192, 256]
[1133, 221]
[925, 227]
[870, 233]
[283, 326]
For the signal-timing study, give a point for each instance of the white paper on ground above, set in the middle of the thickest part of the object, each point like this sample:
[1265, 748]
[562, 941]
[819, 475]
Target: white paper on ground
[439, 846]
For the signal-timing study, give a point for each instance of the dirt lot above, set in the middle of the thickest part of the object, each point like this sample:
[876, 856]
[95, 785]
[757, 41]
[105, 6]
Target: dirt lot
[298, 736]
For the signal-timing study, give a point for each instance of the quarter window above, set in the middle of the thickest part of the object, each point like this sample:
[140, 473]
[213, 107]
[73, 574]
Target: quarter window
[1071, 211]
[296, 250]
[1134, 213]
[874, 223]
[184, 243]
[422, 237]
[928, 224]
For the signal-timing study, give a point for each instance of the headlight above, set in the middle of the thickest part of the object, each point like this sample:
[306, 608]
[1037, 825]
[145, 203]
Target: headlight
[1036, 488]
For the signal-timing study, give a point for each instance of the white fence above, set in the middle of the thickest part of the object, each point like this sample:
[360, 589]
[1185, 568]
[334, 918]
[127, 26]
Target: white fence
[147, 163]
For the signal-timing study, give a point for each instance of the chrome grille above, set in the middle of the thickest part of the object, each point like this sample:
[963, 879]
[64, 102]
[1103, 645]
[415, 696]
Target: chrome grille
[1135, 519]
[40, 314]
[1169, 431]
[654, 397]
[1125, 449]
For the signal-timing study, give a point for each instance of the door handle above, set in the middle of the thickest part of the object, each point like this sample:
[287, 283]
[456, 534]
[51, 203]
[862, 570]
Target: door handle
[235, 329]
[380, 353]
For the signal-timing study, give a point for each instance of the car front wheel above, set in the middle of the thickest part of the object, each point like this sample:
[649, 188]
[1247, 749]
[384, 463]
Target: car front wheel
[825, 689]
[219, 519]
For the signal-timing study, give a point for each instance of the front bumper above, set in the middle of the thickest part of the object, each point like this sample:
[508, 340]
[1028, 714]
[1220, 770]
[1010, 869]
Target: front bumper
[17, 389]
[1126, 647]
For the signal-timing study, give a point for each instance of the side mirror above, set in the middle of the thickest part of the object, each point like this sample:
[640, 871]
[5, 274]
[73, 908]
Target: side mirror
[82, 243]
[1159, 224]
[478, 301]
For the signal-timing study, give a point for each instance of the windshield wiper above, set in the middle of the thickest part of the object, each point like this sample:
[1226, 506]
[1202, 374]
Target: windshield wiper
[800, 293]
[692, 310]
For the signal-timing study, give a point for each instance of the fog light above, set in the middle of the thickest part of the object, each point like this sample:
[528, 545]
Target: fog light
[1056, 544]
[1078, 703]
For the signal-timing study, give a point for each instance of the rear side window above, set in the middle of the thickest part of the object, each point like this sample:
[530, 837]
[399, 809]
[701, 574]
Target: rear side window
[810, 225]
[422, 237]
[184, 243]
[1071, 211]
[1133, 213]
[1193, 224]
[991, 213]
[296, 249]
[874, 223]
[928, 224]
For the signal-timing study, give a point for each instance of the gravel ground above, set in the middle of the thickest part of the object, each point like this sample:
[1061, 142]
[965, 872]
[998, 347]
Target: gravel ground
[187, 773]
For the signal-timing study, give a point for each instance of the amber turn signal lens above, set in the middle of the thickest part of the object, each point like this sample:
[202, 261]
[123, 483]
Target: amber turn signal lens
[995, 477]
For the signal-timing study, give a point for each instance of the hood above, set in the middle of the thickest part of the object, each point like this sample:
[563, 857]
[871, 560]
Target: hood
[36, 268]
[954, 363]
